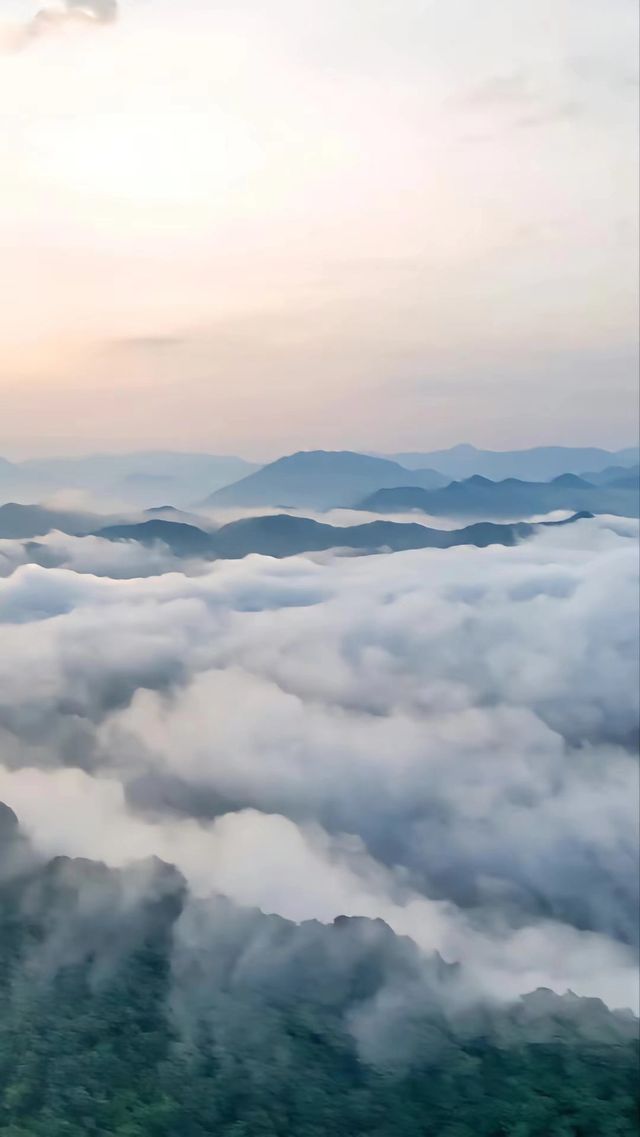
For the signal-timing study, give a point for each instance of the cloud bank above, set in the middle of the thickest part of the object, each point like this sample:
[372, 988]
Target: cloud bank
[442, 739]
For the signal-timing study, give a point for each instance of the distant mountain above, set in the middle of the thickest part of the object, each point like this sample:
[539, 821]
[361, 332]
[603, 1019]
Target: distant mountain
[512, 498]
[183, 540]
[630, 482]
[138, 479]
[171, 513]
[281, 535]
[318, 479]
[540, 464]
[622, 477]
[27, 521]
[14, 483]
[20, 522]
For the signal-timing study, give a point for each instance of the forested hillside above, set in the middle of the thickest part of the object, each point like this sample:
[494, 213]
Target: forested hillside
[128, 1009]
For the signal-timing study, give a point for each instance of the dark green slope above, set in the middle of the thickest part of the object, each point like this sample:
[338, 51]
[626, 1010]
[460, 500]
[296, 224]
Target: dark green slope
[129, 1010]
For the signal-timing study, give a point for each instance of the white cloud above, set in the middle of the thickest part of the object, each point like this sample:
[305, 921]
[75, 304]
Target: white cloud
[439, 738]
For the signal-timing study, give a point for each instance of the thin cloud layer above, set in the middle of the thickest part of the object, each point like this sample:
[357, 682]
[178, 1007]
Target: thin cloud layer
[441, 739]
[55, 16]
[93, 11]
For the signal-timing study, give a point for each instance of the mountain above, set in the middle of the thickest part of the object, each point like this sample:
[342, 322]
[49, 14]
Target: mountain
[25, 521]
[131, 1008]
[15, 483]
[318, 479]
[21, 522]
[183, 540]
[138, 479]
[281, 535]
[540, 464]
[626, 482]
[479, 497]
[622, 477]
[171, 513]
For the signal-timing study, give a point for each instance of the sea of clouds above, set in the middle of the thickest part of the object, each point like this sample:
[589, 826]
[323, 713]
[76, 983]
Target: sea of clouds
[445, 739]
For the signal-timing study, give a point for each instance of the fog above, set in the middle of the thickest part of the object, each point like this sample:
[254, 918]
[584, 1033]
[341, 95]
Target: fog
[444, 739]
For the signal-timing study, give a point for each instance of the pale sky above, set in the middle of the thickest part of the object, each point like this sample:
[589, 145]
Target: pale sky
[255, 226]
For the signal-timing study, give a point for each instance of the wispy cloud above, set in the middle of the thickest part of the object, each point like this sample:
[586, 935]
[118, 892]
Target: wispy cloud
[55, 16]
[519, 99]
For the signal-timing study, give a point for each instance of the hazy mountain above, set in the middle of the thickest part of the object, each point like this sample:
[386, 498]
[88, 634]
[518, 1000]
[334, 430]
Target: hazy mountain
[480, 497]
[281, 535]
[540, 464]
[138, 478]
[183, 540]
[19, 521]
[622, 477]
[16, 482]
[25, 521]
[626, 482]
[171, 513]
[318, 479]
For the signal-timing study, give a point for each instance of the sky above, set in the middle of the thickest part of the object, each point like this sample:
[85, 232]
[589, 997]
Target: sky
[265, 225]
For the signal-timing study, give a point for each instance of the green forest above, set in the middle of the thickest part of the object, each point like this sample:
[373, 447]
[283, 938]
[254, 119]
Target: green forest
[127, 1009]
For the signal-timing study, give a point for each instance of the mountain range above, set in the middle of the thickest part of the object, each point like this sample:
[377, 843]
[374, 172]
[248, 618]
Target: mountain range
[140, 479]
[314, 479]
[22, 522]
[539, 464]
[275, 535]
[281, 535]
[479, 497]
[327, 479]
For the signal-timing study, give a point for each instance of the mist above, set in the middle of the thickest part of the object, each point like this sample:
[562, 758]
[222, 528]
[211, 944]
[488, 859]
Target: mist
[441, 739]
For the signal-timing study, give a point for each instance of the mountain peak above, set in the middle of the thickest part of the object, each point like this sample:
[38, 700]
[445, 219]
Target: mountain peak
[570, 480]
[319, 479]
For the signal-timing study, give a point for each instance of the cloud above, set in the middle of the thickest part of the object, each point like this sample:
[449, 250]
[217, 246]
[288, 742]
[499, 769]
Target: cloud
[94, 11]
[443, 739]
[52, 17]
[119, 560]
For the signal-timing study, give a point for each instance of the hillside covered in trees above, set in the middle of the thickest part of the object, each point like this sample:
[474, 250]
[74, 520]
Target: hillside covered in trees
[130, 1009]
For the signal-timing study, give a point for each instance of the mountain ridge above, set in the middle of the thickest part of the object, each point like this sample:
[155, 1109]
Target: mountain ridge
[317, 479]
[478, 497]
[537, 463]
[281, 535]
